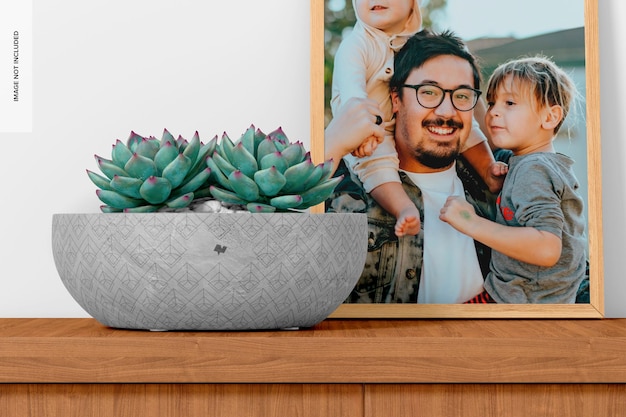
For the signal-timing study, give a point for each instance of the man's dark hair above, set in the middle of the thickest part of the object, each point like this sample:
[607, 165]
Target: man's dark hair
[425, 45]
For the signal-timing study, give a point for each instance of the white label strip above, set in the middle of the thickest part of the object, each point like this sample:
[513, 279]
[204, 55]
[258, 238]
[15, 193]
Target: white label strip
[16, 66]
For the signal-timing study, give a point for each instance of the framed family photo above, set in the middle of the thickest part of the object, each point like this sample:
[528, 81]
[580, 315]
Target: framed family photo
[495, 32]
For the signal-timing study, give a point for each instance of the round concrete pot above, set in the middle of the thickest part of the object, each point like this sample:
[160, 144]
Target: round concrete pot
[207, 271]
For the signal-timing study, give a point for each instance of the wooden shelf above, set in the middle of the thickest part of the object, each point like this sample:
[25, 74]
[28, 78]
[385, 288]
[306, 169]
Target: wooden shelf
[335, 351]
[347, 368]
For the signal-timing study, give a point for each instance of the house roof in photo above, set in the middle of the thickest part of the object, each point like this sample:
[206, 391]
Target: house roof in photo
[565, 47]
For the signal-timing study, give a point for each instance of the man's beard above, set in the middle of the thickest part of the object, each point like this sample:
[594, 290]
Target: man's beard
[437, 158]
[443, 155]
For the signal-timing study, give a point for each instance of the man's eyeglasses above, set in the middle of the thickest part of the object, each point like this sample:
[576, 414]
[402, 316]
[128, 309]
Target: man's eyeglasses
[431, 96]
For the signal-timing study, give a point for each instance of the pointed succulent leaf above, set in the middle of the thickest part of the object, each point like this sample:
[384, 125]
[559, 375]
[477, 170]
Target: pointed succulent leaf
[176, 170]
[100, 181]
[99, 159]
[117, 200]
[226, 147]
[168, 137]
[120, 154]
[259, 136]
[147, 147]
[181, 201]
[275, 159]
[270, 181]
[196, 168]
[142, 209]
[166, 154]
[140, 167]
[296, 175]
[200, 161]
[225, 167]
[319, 193]
[327, 170]
[108, 209]
[279, 135]
[155, 190]
[226, 196]
[260, 208]
[288, 201]
[247, 140]
[294, 153]
[243, 186]
[127, 186]
[133, 140]
[203, 192]
[281, 146]
[314, 178]
[182, 143]
[196, 182]
[208, 148]
[193, 148]
[108, 168]
[243, 160]
[216, 174]
[266, 147]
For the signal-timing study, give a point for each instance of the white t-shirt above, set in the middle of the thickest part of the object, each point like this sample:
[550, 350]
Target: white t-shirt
[451, 273]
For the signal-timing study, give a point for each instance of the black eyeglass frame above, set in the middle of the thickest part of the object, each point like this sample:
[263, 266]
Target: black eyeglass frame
[416, 87]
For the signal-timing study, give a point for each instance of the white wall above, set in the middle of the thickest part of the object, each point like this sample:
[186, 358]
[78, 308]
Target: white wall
[613, 113]
[103, 69]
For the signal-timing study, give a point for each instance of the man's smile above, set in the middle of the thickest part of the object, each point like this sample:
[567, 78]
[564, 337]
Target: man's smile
[442, 127]
[440, 130]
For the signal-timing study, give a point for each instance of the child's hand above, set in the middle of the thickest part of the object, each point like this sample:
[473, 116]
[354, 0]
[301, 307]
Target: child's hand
[458, 213]
[497, 172]
[353, 127]
[367, 147]
[499, 169]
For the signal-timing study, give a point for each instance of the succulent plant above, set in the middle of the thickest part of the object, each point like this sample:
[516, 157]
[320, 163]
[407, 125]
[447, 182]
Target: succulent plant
[263, 173]
[268, 173]
[146, 174]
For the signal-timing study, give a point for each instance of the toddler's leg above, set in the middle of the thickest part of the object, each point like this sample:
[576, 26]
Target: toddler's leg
[391, 197]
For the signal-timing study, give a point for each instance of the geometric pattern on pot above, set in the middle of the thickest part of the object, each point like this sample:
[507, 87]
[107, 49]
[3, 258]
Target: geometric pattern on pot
[209, 271]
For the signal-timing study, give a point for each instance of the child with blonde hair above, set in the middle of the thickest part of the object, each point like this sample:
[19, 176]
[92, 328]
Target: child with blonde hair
[364, 64]
[538, 239]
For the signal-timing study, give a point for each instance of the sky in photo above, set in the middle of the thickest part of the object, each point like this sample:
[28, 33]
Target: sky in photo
[472, 19]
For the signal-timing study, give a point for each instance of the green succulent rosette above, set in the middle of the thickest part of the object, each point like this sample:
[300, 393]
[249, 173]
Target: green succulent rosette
[146, 174]
[268, 173]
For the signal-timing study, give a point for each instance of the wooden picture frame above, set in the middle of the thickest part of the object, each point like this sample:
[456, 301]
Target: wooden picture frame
[595, 308]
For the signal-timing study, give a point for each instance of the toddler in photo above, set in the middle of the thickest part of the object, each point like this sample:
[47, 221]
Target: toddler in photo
[363, 66]
[538, 238]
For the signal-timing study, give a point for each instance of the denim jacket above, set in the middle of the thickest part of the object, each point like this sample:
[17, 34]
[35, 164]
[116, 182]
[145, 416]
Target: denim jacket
[393, 266]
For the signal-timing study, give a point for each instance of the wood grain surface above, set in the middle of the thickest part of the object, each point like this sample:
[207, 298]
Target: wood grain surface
[335, 351]
[184, 400]
[495, 400]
